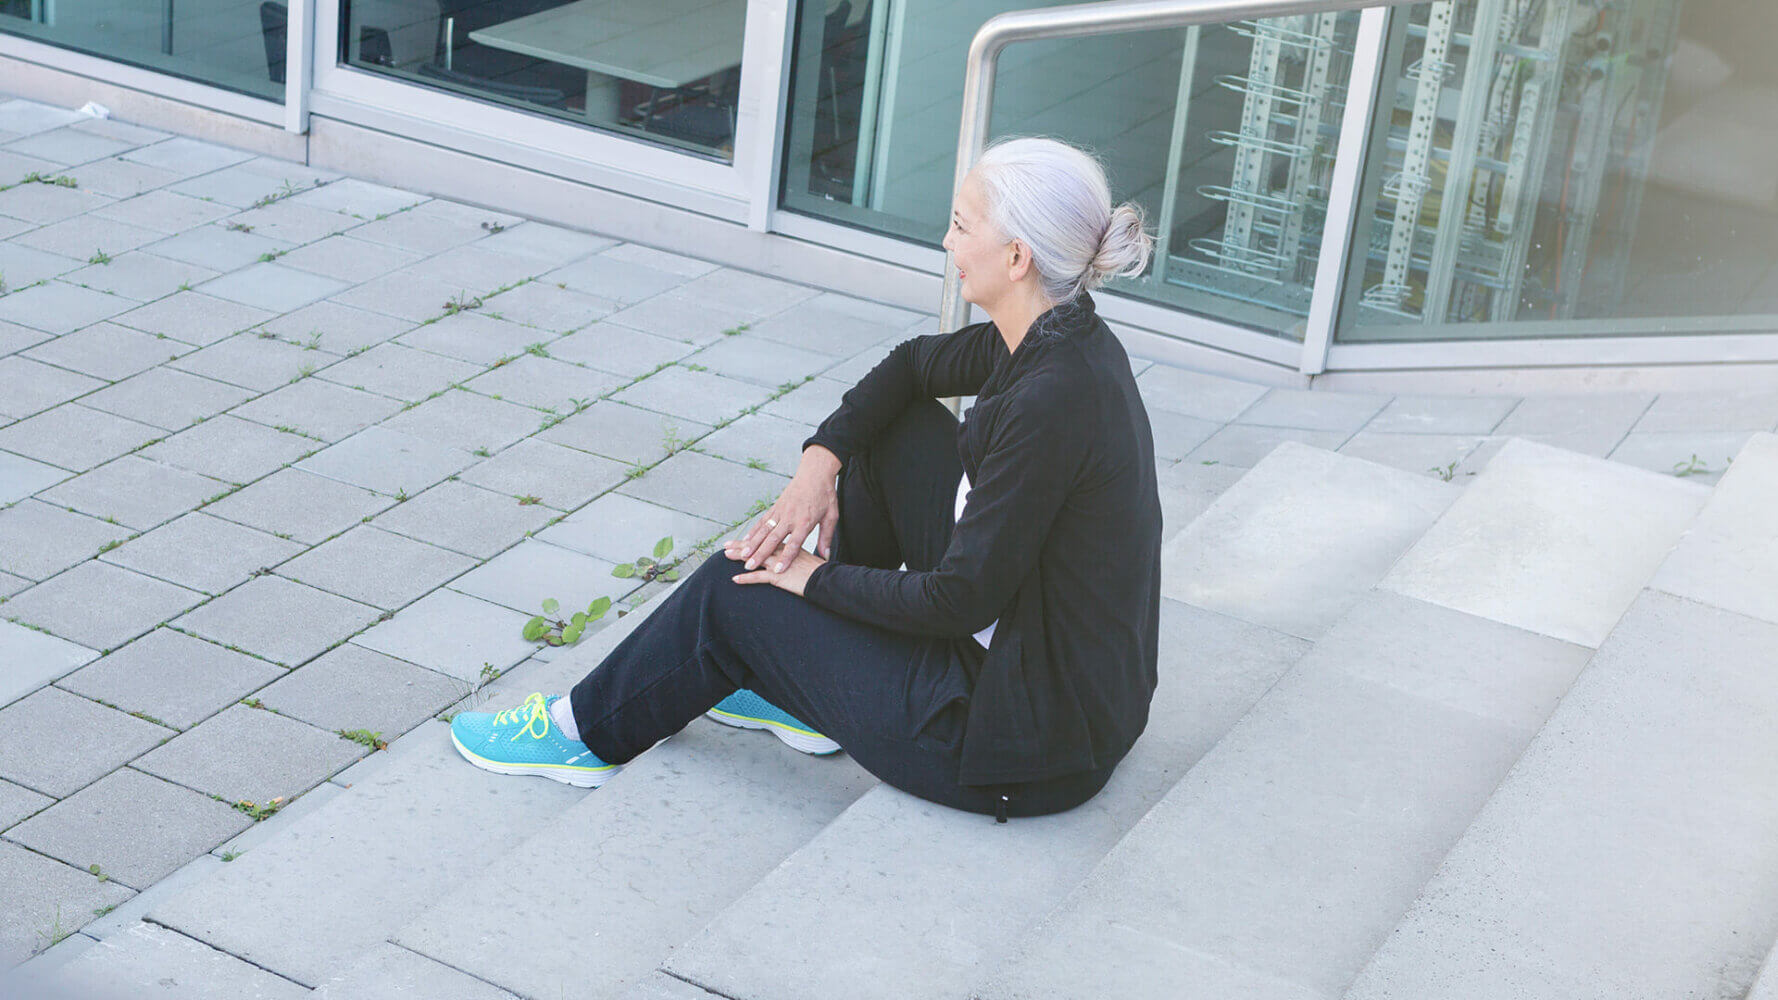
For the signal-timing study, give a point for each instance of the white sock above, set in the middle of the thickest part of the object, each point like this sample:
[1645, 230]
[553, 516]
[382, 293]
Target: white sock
[562, 712]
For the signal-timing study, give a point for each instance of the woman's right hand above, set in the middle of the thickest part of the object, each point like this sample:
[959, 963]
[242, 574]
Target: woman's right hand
[811, 501]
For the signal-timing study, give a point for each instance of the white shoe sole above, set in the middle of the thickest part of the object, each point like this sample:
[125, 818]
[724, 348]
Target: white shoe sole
[579, 777]
[795, 739]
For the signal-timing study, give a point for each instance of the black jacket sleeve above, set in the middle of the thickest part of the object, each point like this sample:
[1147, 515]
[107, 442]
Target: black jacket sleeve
[933, 366]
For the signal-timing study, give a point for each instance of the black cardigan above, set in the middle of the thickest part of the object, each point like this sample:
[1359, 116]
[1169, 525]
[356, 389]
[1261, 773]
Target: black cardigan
[1060, 540]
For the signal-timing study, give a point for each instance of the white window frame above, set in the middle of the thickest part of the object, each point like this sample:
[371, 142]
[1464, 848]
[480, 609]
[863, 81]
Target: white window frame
[177, 88]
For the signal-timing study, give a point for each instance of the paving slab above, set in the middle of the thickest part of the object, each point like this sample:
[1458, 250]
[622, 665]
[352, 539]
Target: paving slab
[117, 178]
[165, 211]
[467, 421]
[399, 372]
[700, 396]
[617, 349]
[465, 519]
[549, 307]
[1593, 424]
[167, 398]
[46, 899]
[140, 275]
[99, 605]
[353, 688]
[231, 449]
[376, 567]
[10, 585]
[1300, 538]
[472, 266]
[901, 859]
[560, 477]
[1197, 394]
[58, 307]
[760, 439]
[546, 383]
[30, 385]
[18, 802]
[1701, 456]
[626, 433]
[354, 197]
[834, 325]
[33, 659]
[175, 678]
[131, 911]
[708, 487]
[79, 239]
[16, 164]
[1427, 454]
[38, 540]
[454, 634]
[56, 743]
[810, 403]
[1245, 445]
[616, 280]
[15, 338]
[541, 241]
[668, 863]
[619, 528]
[416, 828]
[151, 961]
[281, 620]
[286, 220]
[45, 203]
[193, 317]
[756, 294]
[251, 754]
[1560, 884]
[68, 147]
[187, 156]
[75, 437]
[336, 328]
[1729, 556]
[134, 492]
[660, 260]
[319, 408]
[253, 181]
[410, 296]
[387, 461]
[24, 266]
[1550, 541]
[20, 477]
[217, 247]
[1188, 489]
[108, 351]
[388, 972]
[529, 573]
[1728, 410]
[27, 117]
[433, 226]
[472, 337]
[1177, 435]
[253, 362]
[202, 552]
[347, 258]
[753, 358]
[686, 318]
[299, 505]
[136, 828]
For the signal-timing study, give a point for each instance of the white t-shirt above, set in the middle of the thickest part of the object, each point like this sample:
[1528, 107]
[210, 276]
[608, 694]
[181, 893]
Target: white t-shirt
[985, 636]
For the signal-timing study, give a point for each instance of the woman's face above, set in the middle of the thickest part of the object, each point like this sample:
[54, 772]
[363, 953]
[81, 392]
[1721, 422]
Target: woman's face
[982, 254]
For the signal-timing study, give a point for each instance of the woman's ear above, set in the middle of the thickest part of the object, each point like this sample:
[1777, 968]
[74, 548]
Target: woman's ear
[1018, 260]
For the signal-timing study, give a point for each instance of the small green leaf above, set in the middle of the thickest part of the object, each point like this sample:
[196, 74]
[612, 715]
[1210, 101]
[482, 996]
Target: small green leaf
[662, 547]
[571, 634]
[644, 562]
[597, 609]
[671, 574]
[535, 628]
[624, 571]
[579, 620]
[554, 640]
[551, 605]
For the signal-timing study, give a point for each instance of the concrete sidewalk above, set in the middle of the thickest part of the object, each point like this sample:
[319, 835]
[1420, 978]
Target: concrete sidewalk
[287, 460]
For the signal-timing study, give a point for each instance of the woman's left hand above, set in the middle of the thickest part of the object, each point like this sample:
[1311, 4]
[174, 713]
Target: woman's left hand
[794, 577]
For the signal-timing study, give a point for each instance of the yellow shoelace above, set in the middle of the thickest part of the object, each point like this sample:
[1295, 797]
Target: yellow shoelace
[532, 712]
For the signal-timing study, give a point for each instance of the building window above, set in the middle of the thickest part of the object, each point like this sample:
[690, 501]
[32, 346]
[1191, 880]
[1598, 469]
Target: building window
[234, 44]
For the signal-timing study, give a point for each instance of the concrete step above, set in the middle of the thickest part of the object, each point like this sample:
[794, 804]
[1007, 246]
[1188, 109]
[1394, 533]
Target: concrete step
[901, 898]
[590, 904]
[1729, 558]
[1188, 489]
[1765, 987]
[1300, 538]
[1278, 864]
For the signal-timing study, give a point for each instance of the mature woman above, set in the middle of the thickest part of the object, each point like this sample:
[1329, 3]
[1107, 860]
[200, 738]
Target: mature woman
[1009, 666]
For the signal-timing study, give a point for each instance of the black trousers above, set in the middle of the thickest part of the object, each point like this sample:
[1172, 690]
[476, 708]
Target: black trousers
[896, 702]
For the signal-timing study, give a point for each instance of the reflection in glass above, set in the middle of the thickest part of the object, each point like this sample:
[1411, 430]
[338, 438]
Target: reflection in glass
[1570, 168]
[667, 70]
[235, 44]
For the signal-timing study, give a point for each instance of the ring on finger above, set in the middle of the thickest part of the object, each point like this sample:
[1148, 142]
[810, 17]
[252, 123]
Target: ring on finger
[771, 522]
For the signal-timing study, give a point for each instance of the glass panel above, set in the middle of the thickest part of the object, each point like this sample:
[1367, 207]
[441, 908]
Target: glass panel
[1569, 168]
[236, 44]
[665, 70]
[1225, 135]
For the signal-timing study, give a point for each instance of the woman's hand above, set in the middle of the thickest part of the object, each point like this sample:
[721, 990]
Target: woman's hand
[809, 502]
[793, 578]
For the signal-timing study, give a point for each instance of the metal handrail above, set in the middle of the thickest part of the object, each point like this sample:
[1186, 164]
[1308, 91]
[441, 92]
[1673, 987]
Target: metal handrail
[1079, 21]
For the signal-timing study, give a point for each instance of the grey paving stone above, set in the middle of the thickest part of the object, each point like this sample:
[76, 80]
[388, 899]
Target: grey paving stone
[217, 247]
[399, 372]
[347, 258]
[151, 961]
[27, 117]
[771, 441]
[139, 275]
[409, 296]
[306, 507]
[353, 197]
[560, 477]
[286, 220]
[122, 131]
[202, 552]
[298, 919]
[193, 317]
[133, 491]
[131, 912]
[117, 178]
[756, 359]
[1300, 539]
[23, 265]
[1726, 558]
[626, 433]
[433, 226]
[30, 386]
[1177, 435]
[354, 688]
[45, 899]
[58, 307]
[810, 403]
[1311, 410]
[68, 147]
[1466, 415]
[753, 294]
[387, 972]
[681, 317]
[231, 449]
[1244, 445]
[18, 802]
[660, 260]
[467, 421]
[38, 540]
[335, 328]
[700, 396]
[57, 743]
[544, 242]
[834, 325]
[322, 409]
[618, 349]
[187, 156]
[279, 619]
[1197, 394]
[75, 437]
[251, 754]
[165, 211]
[79, 239]
[465, 518]
[272, 286]
[616, 280]
[15, 338]
[173, 677]
[1549, 541]
[529, 573]
[33, 659]
[708, 487]
[45, 203]
[10, 584]
[454, 634]
[1741, 410]
[253, 181]
[472, 266]
[1702, 456]
[100, 605]
[470, 336]
[376, 567]
[548, 307]
[108, 351]
[289, 816]
[1427, 454]
[387, 461]
[136, 828]
[253, 362]
[167, 398]
[860, 364]
[1598, 420]
[546, 383]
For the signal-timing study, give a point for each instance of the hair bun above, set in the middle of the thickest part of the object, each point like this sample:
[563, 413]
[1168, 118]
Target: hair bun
[1124, 249]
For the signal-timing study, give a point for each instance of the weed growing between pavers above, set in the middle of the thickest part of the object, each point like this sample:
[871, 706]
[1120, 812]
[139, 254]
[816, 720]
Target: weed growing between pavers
[550, 630]
[374, 740]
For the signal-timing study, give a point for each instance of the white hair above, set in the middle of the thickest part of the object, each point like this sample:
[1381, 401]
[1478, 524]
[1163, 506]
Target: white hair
[1054, 198]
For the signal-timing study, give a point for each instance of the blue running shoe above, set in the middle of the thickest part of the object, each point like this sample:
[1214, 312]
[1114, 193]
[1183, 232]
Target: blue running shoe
[525, 740]
[746, 710]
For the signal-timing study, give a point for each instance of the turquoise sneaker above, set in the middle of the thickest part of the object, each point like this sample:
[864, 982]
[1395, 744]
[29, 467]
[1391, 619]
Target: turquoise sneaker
[525, 740]
[746, 710]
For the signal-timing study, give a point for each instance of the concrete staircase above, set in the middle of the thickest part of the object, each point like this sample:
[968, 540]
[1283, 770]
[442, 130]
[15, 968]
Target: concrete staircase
[1412, 740]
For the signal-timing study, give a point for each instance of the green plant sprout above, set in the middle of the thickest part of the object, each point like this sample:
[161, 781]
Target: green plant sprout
[550, 630]
[1693, 466]
[99, 257]
[364, 736]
